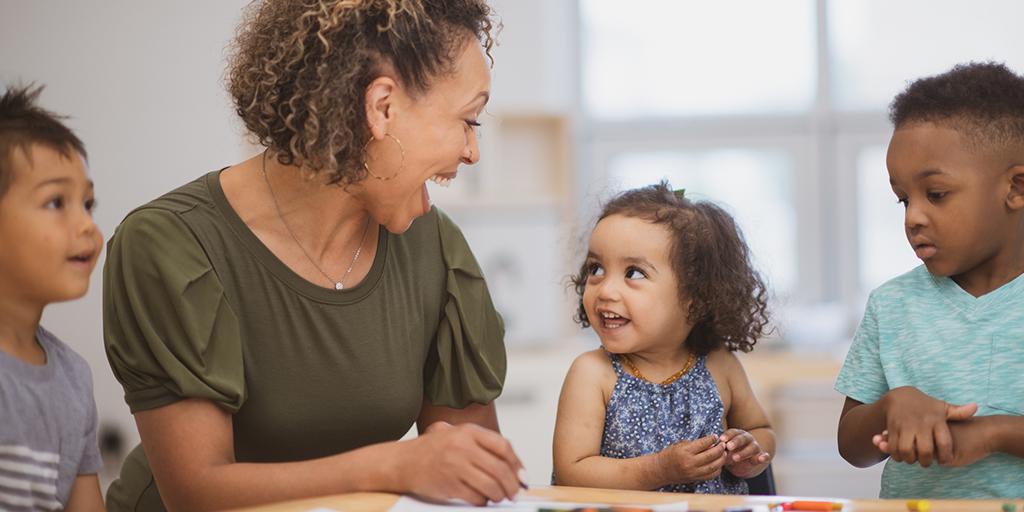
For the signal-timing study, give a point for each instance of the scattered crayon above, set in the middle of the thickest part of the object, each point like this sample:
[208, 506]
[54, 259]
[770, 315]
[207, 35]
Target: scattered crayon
[919, 505]
[824, 506]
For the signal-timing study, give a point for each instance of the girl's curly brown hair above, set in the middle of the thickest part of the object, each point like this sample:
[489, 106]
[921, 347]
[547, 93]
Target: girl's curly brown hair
[300, 69]
[711, 261]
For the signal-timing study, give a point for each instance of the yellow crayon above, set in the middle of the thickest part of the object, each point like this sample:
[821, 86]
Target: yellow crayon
[919, 505]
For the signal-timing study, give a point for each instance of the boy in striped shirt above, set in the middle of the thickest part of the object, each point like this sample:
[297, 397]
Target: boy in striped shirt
[49, 245]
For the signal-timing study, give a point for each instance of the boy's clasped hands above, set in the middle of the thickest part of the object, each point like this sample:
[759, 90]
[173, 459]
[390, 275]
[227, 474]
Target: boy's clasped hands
[922, 429]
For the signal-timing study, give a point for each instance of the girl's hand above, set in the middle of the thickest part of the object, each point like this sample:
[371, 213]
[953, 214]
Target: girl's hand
[465, 462]
[693, 461]
[745, 456]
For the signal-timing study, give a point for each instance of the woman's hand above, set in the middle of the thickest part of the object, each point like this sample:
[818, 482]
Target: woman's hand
[465, 462]
[745, 456]
[693, 461]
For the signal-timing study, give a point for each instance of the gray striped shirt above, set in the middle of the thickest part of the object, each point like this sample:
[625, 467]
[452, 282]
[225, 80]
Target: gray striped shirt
[47, 427]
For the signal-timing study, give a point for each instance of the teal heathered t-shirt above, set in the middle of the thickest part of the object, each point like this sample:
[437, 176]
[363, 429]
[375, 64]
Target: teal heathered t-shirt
[925, 331]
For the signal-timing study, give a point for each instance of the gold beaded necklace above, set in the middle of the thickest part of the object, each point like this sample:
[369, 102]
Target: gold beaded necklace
[672, 378]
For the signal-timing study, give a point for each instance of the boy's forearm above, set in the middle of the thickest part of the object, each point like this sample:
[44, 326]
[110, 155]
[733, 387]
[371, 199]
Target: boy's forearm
[856, 429]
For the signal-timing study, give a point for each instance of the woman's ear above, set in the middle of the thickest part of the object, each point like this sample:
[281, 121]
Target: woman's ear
[380, 102]
[1015, 197]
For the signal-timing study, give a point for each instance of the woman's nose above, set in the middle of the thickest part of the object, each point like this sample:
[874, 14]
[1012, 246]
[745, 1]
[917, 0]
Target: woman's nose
[471, 153]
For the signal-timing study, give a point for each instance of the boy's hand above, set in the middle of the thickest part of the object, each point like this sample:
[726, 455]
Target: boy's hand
[745, 456]
[917, 428]
[693, 461]
[972, 441]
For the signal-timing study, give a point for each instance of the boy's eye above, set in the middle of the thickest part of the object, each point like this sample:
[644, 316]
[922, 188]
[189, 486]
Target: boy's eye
[55, 203]
[595, 270]
[936, 196]
[635, 273]
[902, 200]
[90, 205]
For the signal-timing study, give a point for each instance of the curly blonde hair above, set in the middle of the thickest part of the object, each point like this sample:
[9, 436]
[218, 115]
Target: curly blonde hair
[300, 68]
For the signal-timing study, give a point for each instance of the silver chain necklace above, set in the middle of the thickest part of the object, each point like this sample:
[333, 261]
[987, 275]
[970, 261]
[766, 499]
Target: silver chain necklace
[339, 284]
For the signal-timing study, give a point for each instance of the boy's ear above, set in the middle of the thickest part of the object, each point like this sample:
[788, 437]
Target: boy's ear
[1015, 197]
[380, 102]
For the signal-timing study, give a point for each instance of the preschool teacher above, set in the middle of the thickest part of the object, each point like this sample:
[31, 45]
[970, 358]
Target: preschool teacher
[279, 324]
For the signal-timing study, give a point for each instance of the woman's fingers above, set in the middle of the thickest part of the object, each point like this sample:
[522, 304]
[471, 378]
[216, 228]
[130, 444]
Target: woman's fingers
[484, 484]
[497, 470]
[499, 446]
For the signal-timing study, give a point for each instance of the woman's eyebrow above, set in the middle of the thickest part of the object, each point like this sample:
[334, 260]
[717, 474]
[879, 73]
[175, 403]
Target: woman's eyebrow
[486, 95]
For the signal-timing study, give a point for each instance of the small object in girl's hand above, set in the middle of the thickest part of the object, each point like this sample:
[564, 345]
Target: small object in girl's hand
[1009, 507]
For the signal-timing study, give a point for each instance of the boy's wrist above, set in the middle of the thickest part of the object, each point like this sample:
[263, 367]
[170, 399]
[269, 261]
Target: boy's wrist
[996, 429]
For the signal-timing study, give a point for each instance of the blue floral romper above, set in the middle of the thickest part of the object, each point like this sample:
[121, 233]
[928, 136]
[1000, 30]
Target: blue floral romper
[644, 418]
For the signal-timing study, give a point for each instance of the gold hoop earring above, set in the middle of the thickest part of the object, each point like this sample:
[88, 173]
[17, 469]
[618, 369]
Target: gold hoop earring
[401, 165]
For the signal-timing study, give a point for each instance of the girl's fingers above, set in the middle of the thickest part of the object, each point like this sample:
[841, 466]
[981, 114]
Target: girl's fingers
[748, 451]
[739, 442]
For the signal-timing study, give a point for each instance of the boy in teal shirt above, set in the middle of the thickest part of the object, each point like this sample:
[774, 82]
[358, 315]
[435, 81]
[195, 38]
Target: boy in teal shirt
[952, 330]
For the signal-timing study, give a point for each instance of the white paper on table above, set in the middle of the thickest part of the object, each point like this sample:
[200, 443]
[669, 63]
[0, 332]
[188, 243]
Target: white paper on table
[321, 509]
[524, 504]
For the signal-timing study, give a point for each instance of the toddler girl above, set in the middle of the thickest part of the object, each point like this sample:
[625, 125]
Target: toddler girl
[664, 404]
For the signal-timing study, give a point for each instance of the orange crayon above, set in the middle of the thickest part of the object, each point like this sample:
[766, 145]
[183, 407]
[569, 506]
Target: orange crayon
[826, 506]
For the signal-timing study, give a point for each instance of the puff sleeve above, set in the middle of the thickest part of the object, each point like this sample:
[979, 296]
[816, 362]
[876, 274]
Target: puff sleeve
[168, 329]
[467, 363]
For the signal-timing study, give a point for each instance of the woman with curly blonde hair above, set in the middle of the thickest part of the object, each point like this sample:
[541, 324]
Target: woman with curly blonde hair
[278, 324]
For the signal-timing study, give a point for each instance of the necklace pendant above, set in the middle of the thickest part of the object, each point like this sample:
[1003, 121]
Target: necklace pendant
[338, 286]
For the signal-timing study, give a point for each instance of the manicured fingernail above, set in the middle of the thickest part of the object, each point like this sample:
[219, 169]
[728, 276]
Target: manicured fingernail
[523, 479]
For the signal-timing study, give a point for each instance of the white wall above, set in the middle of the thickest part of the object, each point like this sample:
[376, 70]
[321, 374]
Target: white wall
[141, 83]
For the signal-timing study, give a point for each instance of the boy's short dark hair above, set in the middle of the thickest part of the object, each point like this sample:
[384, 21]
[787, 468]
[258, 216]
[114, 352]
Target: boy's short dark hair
[23, 123]
[984, 101]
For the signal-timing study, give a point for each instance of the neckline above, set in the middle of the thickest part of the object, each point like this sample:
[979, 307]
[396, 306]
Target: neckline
[617, 360]
[32, 372]
[348, 295]
[959, 297]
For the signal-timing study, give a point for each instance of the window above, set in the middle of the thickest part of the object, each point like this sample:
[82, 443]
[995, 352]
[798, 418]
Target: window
[662, 58]
[779, 111]
[762, 206]
[878, 45]
[884, 250]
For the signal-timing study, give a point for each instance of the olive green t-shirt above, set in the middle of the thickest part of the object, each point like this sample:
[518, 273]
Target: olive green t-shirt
[195, 306]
